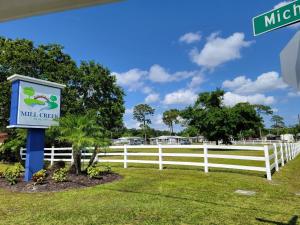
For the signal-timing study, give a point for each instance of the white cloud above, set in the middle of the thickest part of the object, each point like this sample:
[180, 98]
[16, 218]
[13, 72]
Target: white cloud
[190, 37]
[132, 79]
[294, 94]
[265, 82]
[151, 98]
[280, 4]
[129, 111]
[196, 81]
[231, 99]
[218, 50]
[159, 74]
[180, 97]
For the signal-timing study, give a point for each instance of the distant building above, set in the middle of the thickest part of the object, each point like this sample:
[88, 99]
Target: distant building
[3, 137]
[169, 140]
[270, 137]
[287, 137]
[129, 141]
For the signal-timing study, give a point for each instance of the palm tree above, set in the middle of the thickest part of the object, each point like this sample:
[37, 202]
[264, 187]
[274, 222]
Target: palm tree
[81, 132]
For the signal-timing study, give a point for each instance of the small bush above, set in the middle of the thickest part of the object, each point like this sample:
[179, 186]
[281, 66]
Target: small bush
[19, 168]
[58, 165]
[39, 177]
[11, 175]
[97, 171]
[2, 174]
[93, 172]
[60, 175]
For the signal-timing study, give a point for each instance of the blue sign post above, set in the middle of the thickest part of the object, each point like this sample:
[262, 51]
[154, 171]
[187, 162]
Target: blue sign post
[35, 105]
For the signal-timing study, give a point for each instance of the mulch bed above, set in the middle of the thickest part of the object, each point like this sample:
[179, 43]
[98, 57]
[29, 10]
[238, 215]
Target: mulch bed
[80, 181]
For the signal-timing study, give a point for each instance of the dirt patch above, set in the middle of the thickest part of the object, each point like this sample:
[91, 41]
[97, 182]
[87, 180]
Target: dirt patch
[80, 181]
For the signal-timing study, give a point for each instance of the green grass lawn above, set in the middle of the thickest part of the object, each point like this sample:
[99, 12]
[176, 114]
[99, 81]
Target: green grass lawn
[176, 195]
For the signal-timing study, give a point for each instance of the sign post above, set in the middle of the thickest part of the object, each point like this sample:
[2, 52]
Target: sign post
[277, 18]
[35, 105]
[290, 62]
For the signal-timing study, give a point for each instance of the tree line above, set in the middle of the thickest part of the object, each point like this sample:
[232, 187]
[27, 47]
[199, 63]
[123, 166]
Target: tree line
[93, 104]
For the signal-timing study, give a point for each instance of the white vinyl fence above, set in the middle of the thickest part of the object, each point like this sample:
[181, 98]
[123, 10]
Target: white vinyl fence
[281, 154]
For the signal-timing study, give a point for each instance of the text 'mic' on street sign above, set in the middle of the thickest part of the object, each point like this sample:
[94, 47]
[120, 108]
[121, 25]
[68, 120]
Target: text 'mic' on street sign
[277, 18]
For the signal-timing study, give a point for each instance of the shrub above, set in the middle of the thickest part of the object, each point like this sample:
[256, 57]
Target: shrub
[11, 175]
[93, 172]
[2, 174]
[58, 165]
[39, 177]
[60, 175]
[19, 168]
[96, 172]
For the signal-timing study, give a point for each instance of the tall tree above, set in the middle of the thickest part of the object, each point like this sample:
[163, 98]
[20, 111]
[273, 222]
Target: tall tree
[88, 86]
[141, 113]
[217, 122]
[170, 117]
[278, 123]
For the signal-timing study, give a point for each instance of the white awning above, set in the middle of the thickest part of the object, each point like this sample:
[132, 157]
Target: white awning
[14, 9]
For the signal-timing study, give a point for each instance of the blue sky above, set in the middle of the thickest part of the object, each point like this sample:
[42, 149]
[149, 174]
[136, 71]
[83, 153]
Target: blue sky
[165, 52]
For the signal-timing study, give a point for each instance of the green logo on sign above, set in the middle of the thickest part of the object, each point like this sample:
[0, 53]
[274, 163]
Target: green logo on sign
[41, 100]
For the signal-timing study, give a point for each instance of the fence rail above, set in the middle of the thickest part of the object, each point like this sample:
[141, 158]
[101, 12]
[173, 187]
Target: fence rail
[281, 154]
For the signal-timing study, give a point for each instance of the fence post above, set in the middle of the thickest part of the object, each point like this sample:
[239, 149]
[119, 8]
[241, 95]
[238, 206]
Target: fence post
[72, 158]
[160, 159]
[125, 157]
[52, 156]
[282, 156]
[267, 161]
[276, 157]
[21, 153]
[286, 152]
[289, 149]
[205, 150]
[293, 145]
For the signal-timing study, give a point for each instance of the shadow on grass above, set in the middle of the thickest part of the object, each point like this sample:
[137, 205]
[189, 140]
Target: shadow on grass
[204, 202]
[292, 221]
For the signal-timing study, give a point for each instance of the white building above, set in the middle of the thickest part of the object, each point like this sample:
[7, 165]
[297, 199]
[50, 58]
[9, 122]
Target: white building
[168, 140]
[129, 141]
[287, 137]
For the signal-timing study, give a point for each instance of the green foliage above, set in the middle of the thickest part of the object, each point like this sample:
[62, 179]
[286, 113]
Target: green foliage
[9, 151]
[39, 177]
[2, 174]
[82, 132]
[19, 168]
[171, 117]
[97, 171]
[141, 113]
[11, 174]
[278, 121]
[217, 122]
[60, 175]
[88, 86]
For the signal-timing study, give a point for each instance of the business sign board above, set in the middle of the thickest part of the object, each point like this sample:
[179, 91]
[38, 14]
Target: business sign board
[277, 18]
[290, 62]
[35, 103]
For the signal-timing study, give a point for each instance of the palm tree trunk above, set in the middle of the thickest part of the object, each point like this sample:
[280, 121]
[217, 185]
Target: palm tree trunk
[77, 161]
[93, 156]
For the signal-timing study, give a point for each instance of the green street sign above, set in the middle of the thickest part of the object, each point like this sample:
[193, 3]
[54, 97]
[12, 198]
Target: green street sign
[277, 18]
